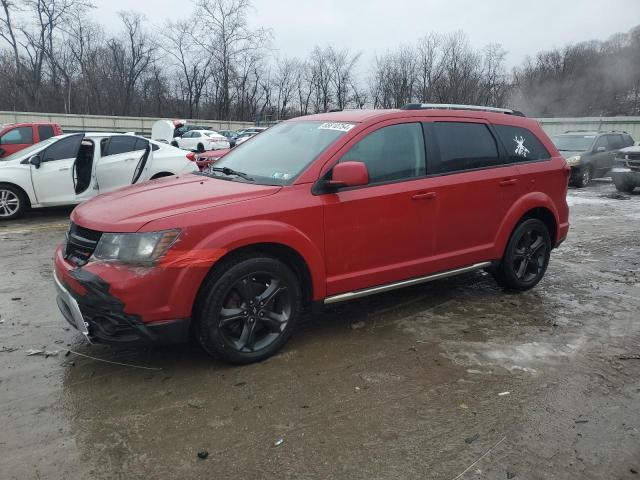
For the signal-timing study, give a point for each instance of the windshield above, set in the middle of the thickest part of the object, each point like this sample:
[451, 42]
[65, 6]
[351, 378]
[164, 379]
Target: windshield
[573, 143]
[278, 155]
[26, 152]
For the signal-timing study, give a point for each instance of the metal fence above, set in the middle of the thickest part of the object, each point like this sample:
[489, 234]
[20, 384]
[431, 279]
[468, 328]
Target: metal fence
[630, 125]
[99, 123]
[142, 125]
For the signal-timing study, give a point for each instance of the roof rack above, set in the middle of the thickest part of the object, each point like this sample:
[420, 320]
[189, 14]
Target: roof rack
[451, 106]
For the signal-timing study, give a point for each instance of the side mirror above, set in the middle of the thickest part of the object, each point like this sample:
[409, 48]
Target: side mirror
[35, 161]
[601, 149]
[349, 174]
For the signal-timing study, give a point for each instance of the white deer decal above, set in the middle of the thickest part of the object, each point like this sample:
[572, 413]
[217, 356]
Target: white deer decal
[521, 150]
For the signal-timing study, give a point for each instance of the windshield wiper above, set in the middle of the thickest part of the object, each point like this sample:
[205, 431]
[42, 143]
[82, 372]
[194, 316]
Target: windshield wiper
[230, 171]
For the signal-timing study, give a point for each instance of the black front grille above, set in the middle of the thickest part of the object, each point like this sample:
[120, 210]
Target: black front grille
[634, 164]
[81, 242]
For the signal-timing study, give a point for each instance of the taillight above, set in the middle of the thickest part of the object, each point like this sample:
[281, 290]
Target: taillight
[191, 156]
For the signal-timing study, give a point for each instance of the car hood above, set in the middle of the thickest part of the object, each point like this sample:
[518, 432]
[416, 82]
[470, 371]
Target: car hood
[632, 149]
[130, 208]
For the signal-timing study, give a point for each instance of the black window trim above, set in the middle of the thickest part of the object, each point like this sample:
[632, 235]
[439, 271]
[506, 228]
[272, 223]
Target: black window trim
[432, 150]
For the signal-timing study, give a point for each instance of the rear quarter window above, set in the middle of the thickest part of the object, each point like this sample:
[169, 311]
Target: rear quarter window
[521, 144]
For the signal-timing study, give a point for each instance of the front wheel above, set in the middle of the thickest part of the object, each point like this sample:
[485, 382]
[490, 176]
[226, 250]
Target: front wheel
[526, 258]
[200, 148]
[584, 177]
[249, 310]
[623, 186]
[12, 202]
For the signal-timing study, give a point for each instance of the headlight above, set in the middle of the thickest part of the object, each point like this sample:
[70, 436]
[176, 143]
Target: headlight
[574, 161]
[141, 248]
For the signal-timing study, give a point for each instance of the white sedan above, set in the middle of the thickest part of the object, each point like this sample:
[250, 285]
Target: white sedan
[202, 140]
[68, 169]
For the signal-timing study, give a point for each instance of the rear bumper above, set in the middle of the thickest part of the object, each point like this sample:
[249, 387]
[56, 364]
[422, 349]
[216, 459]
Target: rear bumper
[85, 301]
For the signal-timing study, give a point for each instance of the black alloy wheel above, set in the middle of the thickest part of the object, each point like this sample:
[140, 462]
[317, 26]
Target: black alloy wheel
[255, 312]
[527, 256]
[248, 309]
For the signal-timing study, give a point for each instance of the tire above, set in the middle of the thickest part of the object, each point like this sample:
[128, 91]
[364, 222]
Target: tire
[261, 298]
[584, 179]
[200, 148]
[526, 257]
[623, 186]
[13, 202]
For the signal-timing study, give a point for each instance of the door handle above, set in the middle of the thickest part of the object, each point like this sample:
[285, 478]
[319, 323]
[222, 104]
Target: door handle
[508, 182]
[129, 159]
[424, 196]
[64, 169]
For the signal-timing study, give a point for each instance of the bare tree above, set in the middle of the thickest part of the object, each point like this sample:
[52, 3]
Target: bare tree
[192, 64]
[130, 57]
[226, 37]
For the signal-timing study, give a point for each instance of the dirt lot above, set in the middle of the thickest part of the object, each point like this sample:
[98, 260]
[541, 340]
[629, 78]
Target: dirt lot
[410, 384]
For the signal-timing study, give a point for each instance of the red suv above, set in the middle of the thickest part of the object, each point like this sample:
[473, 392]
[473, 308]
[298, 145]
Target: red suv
[17, 136]
[315, 210]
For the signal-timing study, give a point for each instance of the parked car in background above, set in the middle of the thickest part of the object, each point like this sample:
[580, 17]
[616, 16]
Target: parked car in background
[167, 130]
[17, 136]
[243, 137]
[590, 154]
[205, 160]
[253, 130]
[316, 210]
[68, 169]
[202, 140]
[626, 169]
[231, 136]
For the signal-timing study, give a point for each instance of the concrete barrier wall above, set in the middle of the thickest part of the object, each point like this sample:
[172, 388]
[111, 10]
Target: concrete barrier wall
[631, 125]
[99, 123]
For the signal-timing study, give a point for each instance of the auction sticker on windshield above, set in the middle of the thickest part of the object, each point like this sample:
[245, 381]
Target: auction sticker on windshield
[340, 127]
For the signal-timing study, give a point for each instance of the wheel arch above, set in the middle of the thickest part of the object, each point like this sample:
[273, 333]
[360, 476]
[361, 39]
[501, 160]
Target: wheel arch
[533, 205]
[20, 188]
[277, 239]
[284, 253]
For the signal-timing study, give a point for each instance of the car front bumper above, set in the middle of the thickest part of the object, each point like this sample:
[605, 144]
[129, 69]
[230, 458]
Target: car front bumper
[87, 303]
[628, 176]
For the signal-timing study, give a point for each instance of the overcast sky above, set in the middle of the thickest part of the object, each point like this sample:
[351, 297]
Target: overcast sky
[373, 26]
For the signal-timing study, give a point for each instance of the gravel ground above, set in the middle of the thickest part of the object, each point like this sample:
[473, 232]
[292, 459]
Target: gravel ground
[449, 380]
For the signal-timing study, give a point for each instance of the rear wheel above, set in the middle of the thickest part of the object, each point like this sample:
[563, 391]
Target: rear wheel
[249, 310]
[526, 258]
[13, 202]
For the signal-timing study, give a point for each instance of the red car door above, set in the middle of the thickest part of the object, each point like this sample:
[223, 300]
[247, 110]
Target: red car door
[477, 185]
[381, 232]
[15, 139]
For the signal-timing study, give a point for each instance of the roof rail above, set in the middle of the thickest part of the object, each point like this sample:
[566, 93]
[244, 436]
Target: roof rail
[596, 131]
[451, 106]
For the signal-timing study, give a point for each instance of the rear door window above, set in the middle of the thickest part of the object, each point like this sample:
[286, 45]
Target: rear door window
[45, 131]
[463, 146]
[121, 144]
[18, 136]
[521, 144]
[391, 153]
[616, 142]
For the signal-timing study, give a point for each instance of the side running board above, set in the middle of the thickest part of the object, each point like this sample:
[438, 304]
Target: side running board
[342, 297]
